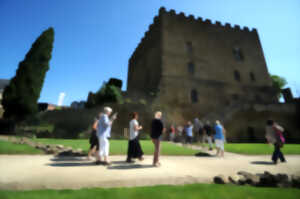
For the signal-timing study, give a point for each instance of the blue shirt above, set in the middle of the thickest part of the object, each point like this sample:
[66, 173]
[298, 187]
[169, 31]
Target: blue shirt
[189, 130]
[219, 132]
[104, 126]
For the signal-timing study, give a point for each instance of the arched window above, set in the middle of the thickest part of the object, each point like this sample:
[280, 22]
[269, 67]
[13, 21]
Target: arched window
[194, 96]
[252, 77]
[238, 54]
[191, 68]
[237, 76]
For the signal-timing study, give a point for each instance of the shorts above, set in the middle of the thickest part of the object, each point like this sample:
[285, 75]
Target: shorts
[219, 144]
[94, 141]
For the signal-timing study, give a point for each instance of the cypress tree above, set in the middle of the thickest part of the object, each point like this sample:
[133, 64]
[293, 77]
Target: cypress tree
[21, 95]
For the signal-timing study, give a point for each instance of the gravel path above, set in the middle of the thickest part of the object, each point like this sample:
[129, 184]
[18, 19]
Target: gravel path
[21, 172]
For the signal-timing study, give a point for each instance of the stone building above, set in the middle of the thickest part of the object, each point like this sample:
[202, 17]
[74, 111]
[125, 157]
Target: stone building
[189, 67]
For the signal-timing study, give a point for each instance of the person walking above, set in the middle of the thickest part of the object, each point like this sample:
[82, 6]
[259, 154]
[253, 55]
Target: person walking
[179, 133]
[189, 132]
[157, 128]
[104, 130]
[94, 142]
[219, 138]
[208, 132]
[134, 147]
[172, 133]
[274, 135]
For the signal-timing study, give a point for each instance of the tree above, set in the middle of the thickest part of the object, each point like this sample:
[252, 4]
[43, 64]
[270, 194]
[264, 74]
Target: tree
[279, 83]
[108, 93]
[21, 95]
[116, 82]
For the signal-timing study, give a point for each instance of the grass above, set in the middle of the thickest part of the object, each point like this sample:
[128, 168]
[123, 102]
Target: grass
[261, 149]
[7, 147]
[194, 191]
[119, 147]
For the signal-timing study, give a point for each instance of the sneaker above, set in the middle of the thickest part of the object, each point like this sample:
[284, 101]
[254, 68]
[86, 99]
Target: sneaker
[141, 159]
[106, 163]
[157, 164]
[129, 161]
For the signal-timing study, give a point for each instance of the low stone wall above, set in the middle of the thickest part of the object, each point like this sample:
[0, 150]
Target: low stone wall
[265, 179]
[57, 149]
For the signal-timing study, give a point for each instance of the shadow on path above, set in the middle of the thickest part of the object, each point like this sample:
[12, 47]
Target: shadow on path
[130, 166]
[67, 158]
[72, 164]
[262, 162]
[203, 154]
[119, 162]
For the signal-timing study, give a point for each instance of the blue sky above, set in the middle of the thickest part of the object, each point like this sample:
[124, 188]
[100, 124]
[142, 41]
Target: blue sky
[94, 38]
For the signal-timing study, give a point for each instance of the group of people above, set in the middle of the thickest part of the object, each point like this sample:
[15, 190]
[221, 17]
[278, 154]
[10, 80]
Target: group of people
[206, 132]
[102, 129]
[99, 139]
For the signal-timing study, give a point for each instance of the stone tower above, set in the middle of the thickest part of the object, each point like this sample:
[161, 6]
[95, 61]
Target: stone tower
[189, 67]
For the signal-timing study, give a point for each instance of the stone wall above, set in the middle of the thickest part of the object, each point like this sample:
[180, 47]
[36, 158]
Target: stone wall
[248, 124]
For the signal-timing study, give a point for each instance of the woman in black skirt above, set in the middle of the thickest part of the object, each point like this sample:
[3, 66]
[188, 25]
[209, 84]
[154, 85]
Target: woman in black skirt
[134, 147]
[94, 139]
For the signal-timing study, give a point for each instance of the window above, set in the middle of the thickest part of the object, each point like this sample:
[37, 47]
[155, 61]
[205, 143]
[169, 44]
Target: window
[194, 96]
[238, 54]
[237, 76]
[191, 68]
[189, 47]
[235, 97]
[252, 77]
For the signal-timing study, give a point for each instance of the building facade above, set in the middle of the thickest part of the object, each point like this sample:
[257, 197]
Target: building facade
[189, 67]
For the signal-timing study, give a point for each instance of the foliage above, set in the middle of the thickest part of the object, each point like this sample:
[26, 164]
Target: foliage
[1, 112]
[190, 191]
[10, 148]
[108, 93]
[21, 95]
[69, 123]
[116, 82]
[91, 100]
[143, 101]
[279, 83]
[127, 100]
[40, 131]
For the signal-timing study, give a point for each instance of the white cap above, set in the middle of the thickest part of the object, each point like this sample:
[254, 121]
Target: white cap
[107, 109]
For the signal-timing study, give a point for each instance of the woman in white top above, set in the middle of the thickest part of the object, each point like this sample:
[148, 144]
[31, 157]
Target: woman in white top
[134, 147]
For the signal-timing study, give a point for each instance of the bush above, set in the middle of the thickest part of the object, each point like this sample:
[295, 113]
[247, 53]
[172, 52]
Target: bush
[44, 134]
[7, 126]
[70, 123]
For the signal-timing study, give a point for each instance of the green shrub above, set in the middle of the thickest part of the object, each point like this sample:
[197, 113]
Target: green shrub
[142, 101]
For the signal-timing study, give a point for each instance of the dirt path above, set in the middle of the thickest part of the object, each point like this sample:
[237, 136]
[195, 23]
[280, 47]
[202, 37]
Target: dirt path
[47, 172]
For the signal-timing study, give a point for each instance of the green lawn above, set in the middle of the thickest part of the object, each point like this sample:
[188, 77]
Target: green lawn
[194, 191]
[7, 147]
[261, 149]
[119, 147]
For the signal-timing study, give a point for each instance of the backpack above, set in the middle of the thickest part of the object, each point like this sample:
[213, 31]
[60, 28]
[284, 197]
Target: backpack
[279, 135]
